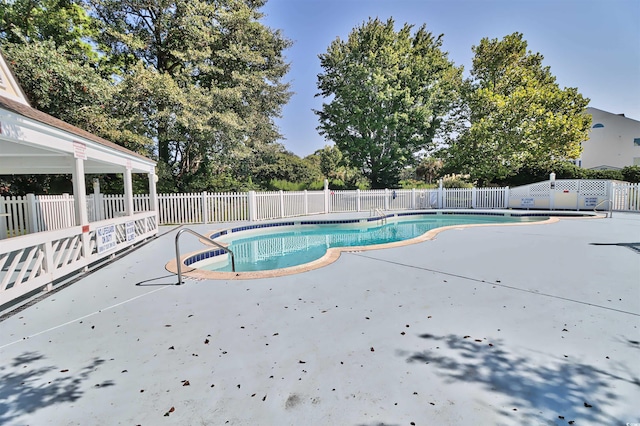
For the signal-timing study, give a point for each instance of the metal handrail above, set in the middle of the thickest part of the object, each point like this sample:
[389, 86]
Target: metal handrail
[610, 214]
[208, 241]
[381, 213]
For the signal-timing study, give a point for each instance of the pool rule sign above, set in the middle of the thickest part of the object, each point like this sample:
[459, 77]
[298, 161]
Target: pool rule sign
[106, 238]
[130, 231]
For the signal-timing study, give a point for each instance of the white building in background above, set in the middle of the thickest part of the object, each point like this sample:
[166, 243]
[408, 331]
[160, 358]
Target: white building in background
[614, 142]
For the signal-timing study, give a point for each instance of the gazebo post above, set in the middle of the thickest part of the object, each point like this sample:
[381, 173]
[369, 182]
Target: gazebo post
[80, 195]
[153, 200]
[128, 192]
[80, 192]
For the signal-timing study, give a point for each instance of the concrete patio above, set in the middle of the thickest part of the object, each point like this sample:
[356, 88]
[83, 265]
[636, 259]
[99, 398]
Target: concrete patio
[520, 325]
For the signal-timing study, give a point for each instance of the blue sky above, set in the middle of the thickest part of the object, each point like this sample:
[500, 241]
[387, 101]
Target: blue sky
[593, 45]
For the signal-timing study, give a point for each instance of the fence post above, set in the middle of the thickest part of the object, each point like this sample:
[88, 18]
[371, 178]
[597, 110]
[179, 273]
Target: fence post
[253, 205]
[474, 196]
[49, 267]
[32, 213]
[386, 199]
[610, 186]
[98, 201]
[306, 202]
[412, 206]
[69, 210]
[326, 196]
[507, 195]
[205, 208]
[358, 208]
[3, 220]
[626, 202]
[281, 203]
[552, 190]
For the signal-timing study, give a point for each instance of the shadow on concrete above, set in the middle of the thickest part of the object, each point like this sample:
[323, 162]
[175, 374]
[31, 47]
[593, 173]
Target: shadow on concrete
[26, 385]
[541, 391]
[633, 246]
[150, 282]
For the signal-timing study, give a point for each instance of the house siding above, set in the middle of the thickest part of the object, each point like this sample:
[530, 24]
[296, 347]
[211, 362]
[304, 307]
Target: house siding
[611, 144]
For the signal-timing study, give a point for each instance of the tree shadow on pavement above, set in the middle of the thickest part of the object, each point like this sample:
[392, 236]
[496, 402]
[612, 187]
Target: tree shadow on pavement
[27, 384]
[541, 389]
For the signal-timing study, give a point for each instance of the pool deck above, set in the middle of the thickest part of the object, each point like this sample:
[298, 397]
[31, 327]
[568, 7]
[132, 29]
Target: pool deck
[497, 325]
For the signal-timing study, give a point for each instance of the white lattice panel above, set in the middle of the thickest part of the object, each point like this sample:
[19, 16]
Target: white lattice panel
[593, 187]
[540, 189]
[567, 185]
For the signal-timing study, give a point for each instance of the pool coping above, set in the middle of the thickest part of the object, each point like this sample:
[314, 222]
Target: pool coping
[333, 253]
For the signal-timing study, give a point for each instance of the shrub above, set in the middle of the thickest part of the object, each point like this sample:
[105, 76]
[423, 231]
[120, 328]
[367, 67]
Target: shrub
[417, 184]
[285, 185]
[631, 174]
[455, 181]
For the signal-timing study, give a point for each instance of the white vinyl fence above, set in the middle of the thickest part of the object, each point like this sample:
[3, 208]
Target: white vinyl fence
[29, 214]
[626, 197]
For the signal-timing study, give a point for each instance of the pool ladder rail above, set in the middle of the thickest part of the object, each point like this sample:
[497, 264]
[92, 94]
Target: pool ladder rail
[207, 241]
[608, 214]
[380, 213]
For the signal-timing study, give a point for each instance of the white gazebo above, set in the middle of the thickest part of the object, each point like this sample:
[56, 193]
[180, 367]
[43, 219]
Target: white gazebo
[32, 142]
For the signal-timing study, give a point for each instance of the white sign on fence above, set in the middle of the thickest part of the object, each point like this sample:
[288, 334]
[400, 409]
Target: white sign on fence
[130, 229]
[527, 202]
[106, 238]
[590, 201]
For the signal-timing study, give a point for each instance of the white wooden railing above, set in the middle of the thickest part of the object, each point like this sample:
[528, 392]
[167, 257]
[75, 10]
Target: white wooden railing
[32, 262]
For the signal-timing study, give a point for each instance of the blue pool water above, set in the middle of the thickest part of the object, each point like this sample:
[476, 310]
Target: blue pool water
[275, 248]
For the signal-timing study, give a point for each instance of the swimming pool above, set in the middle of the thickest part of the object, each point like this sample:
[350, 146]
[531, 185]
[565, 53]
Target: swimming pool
[301, 244]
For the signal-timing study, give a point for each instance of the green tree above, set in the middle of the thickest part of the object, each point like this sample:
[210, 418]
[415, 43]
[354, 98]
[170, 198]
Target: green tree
[429, 169]
[389, 94]
[49, 46]
[515, 114]
[275, 163]
[72, 92]
[205, 77]
[334, 167]
[330, 161]
[64, 22]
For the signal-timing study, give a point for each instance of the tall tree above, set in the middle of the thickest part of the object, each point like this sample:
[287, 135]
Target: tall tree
[73, 92]
[330, 160]
[514, 114]
[428, 169]
[389, 94]
[206, 73]
[63, 22]
[50, 46]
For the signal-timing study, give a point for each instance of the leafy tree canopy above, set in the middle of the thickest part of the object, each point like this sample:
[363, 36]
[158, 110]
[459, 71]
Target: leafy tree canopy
[205, 74]
[330, 159]
[429, 169]
[389, 92]
[64, 22]
[514, 113]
